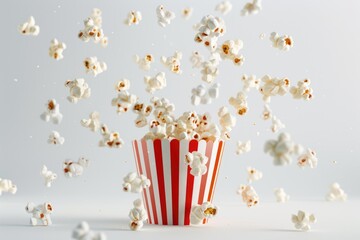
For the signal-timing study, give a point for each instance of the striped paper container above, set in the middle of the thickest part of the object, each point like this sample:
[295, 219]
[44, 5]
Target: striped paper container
[173, 189]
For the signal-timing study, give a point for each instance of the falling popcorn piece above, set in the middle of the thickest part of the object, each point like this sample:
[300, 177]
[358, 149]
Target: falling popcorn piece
[281, 195]
[164, 16]
[239, 103]
[276, 124]
[200, 212]
[250, 82]
[267, 113]
[49, 176]
[251, 8]
[124, 101]
[197, 162]
[230, 50]
[284, 43]
[75, 169]
[78, 88]
[249, 195]
[173, 62]
[83, 232]
[6, 185]
[308, 159]
[253, 174]
[122, 85]
[92, 29]
[143, 111]
[155, 83]
[336, 193]
[40, 215]
[303, 220]
[56, 49]
[209, 68]
[93, 123]
[52, 112]
[273, 86]
[94, 66]
[145, 62]
[227, 122]
[133, 18]
[202, 95]
[196, 59]
[302, 90]
[135, 183]
[209, 30]
[110, 139]
[137, 215]
[29, 27]
[224, 7]
[55, 138]
[242, 148]
[187, 12]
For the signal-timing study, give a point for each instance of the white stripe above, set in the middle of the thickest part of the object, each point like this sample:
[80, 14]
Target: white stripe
[197, 179]
[217, 171]
[211, 169]
[165, 144]
[184, 149]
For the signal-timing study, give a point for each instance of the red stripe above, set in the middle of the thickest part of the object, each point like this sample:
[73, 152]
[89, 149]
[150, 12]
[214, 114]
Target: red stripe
[193, 145]
[137, 157]
[208, 151]
[216, 169]
[148, 174]
[175, 161]
[160, 178]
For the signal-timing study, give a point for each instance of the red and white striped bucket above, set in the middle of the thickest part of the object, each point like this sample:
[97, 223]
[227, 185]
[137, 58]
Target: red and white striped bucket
[173, 189]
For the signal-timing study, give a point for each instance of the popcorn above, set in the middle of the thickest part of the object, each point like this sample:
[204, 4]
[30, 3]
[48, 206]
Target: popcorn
[224, 7]
[164, 16]
[227, 122]
[302, 90]
[79, 89]
[250, 82]
[143, 112]
[56, 49]
[267, 113]
[209, 29]
[83, 232]
[276, 124]
[48, 176]
[173, 62]
[55, 138]
[196, 59]
[239, 103]
[124, 101]
[145, 62]
[303, 220]
[253, 174]
[137, 215]
[134, 183]
[230, 50]
[155, 83]
[92, 29]
[242, 148]
[249, 195]
[197, 162]
[273, 86]
[75, 169]
[40, 214]
[210, 68]
[29, 27]
[93, 66]
[133, 18]
[163, 109]
[201, 95]
[122, 85]
[281, 195]
[200, 212]
[93, 123]
[283, 43]
[308, 159]
[336, 193]
[110, 139]
[52, 112]
[6, 185]
[282, 149]
[187, 12]
[251, 8]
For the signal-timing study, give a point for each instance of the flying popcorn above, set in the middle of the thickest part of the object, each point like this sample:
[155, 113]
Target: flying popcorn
[196, 59]
[224, 7]
[249, 195]
[230, 50]
[173, 62]
[282, 149]
[94, 66]
[122, 85]
[239, 103]
[302, 90]
[78, 88]
[202, 95]
[164, 16]
[276, 124]
[133, 18]
[6, 185]
[83, 232]
[55, 138]
[135, 183]
[308, 159]
[281, 195]
[93, 123]
[75, 169]
[52, 112]
[283, 43]
[187, 12]
[209, 30]
[137, 215]
[124, 101]
[253, 174]
[209, 68]
[29, 27]
[251, 8]
[227, 122]
[267, 113]
[155, 83]
[110, 139]
[143, 111]
[56, 49]
[250, 82]
[200, 212]
[145, 62]
[92, 29]
[40, 214]
[243, 147]
[197, 162]
[273, 86]
[303, 220]
[336, 193]
[49, 176]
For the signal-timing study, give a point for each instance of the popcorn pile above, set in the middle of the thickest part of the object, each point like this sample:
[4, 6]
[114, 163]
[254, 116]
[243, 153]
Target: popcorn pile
[201, 212]
[83, 232]
[40, 214]
[6, 185]
[56, 49]
[29, 27]
[93, 66]
[92, 29]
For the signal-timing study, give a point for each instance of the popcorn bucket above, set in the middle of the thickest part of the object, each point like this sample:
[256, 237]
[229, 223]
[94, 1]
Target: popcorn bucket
[173, 189]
